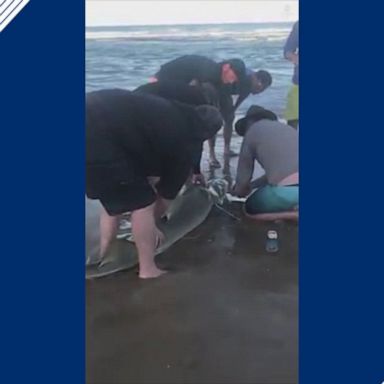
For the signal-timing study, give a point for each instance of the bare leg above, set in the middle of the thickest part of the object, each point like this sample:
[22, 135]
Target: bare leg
[289, 215]
[145, 235]
[227, 132]
[227, 111]
[213, 162]
[161, 204]
[108, 230]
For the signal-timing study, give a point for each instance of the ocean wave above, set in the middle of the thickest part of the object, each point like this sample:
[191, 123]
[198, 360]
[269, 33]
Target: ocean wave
[269, 34]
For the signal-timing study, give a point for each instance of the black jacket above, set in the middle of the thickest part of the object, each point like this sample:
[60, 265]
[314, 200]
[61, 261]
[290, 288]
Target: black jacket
[159, 137]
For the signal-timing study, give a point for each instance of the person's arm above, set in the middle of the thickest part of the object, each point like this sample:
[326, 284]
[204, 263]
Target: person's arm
[197, 176]
[196, 158]
[292, 57]
[176, 172]
[240, 99]
[260, 182]
[244, 89]
[244, 170]
[292, 45]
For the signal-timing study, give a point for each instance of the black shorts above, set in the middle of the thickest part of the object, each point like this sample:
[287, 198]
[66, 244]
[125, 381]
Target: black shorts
[119, 186]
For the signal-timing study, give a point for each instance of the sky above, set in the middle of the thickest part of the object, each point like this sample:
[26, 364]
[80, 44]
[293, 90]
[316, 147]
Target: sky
[154, 12]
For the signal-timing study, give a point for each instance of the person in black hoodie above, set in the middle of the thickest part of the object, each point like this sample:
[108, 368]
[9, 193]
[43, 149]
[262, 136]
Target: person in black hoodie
[132, 138]
[196, 69]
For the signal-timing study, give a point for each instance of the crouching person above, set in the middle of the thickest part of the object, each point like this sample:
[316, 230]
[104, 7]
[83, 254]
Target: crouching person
[274, 146]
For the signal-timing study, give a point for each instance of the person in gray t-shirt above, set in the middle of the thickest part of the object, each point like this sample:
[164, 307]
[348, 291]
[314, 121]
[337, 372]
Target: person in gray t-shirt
[274, 146]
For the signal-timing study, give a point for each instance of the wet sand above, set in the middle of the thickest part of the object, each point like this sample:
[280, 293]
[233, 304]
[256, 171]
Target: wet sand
[228, 313]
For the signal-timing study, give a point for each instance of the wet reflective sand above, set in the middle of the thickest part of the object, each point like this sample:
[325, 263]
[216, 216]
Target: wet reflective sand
[227, 314]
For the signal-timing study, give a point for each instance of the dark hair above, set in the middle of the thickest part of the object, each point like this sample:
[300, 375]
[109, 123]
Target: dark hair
[254, 114]
[265, 77]
[205, 119]
[237, 66]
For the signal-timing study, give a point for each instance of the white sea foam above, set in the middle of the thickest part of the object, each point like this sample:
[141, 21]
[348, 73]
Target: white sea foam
[269, 34]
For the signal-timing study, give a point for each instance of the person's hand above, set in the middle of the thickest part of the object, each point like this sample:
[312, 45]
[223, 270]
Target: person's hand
[159, 238]
[295, 59]
[198, 179]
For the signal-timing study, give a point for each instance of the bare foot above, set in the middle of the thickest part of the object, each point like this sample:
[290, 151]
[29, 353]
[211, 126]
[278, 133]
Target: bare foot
[151, 274]
[214, 163]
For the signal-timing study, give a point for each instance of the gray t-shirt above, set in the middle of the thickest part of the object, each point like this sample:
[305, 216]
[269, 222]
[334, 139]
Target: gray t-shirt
[274, 146]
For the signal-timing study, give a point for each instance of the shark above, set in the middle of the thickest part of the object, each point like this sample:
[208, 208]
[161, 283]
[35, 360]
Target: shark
[190, 209]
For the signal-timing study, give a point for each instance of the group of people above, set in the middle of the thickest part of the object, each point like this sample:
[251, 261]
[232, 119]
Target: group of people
[143, 145]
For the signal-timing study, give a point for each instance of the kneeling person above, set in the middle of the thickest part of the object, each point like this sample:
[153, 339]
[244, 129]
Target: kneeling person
[131, 139]
[274, 146]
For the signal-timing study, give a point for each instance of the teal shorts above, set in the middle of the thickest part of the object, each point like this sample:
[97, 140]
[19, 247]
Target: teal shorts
[272, 199]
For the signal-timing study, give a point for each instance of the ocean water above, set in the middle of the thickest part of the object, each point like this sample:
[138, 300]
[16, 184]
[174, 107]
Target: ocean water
[127, 56]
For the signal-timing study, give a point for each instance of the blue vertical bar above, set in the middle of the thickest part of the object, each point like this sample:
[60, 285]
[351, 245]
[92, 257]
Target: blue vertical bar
[341, 256]
[42, 194]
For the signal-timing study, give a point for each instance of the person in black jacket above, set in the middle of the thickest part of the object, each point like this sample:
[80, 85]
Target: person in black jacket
[228, 78]
[195, 69]
[131, 139]
[253, 84]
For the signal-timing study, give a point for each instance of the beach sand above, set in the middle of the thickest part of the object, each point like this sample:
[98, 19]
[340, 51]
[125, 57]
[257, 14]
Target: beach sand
[227, 314]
